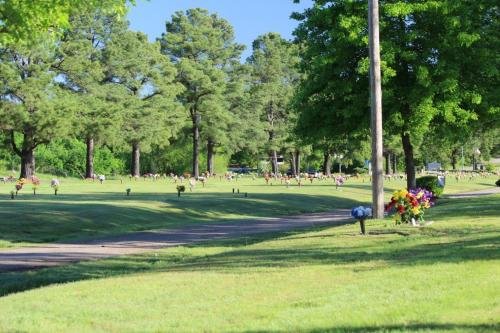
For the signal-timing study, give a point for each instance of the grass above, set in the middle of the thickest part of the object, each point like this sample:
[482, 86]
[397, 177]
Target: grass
[86, 209]
[443, 278]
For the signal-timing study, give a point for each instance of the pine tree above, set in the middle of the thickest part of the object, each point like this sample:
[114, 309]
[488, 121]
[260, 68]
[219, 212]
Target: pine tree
[33, 108]
[203, 49]
[82, 70]
[274, 77]
[146, 91]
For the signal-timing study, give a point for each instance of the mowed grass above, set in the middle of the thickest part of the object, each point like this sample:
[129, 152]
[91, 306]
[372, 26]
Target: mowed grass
[84, 209]
[443, 277]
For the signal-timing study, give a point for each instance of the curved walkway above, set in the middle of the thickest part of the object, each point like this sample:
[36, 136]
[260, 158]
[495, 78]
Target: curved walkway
[488, 191]
[56, 254]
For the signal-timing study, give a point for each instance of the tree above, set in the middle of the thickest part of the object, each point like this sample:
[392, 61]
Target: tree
[33, 108]
[424, 77]
[82, 71]
[246, 135]
[275, 77]
[203, 48]
[147, 92]
[24, 22]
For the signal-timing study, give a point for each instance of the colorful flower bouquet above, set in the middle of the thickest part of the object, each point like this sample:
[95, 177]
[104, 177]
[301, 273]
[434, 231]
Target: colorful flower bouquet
[35, 181]
[19, 184]
[410, 205]
[180, 189]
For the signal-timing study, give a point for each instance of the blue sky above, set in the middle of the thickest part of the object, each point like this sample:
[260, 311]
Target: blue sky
[249, 18]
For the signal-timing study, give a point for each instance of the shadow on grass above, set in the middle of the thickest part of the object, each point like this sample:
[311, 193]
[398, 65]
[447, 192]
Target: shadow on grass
[47, 218]
[419, 327]
[233, 256]
[447, 245]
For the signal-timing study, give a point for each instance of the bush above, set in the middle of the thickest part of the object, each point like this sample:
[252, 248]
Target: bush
[360, 171]
[430, 183]
[497, 182]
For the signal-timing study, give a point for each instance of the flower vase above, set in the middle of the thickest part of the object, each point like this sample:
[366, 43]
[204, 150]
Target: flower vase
[413, 222]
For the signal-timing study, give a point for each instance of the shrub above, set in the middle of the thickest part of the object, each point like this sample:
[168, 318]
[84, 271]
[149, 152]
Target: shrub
[430, 183]
[497, 182]
[490, 167]
[360, 171]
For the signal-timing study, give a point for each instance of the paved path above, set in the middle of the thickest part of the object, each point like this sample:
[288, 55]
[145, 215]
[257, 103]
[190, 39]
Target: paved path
[64, 253]
[488, 191]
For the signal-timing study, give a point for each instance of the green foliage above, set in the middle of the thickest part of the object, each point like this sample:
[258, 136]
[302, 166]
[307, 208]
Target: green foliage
[84, 70]
[274, 75]
[34, 108]
[430, 183]
[360, 171]
[147, 90]
[25, 21]
[203, 48]
[67, 158]
[425, 80]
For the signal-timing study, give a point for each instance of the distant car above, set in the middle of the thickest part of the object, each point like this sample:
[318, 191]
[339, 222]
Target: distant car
[312, 172]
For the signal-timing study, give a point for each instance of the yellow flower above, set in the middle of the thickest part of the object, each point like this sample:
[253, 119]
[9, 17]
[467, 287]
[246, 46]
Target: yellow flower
[415, 210]
[401, 194]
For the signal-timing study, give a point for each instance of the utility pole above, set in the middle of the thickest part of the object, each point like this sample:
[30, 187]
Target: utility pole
[376, 111]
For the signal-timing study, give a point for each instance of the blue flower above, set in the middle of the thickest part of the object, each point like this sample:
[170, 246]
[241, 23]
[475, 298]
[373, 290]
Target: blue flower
[361, 212]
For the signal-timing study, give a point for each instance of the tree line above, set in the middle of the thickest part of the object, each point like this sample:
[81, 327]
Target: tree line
[100, 83]
[106, 85]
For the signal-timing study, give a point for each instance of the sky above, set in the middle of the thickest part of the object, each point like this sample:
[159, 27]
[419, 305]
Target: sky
[250, 18]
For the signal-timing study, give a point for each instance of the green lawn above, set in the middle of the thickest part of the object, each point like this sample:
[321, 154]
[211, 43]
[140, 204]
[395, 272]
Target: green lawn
[443, 277]
[85, 209]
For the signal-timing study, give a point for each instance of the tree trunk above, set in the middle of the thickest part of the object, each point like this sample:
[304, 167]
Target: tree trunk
[27, 163]
[89, 166]
[297, 162]
[196, 150]
[27, 153]
[453, 162]
[388, 163]
[409, 161]
[210, 156]
[274, 161]
[394, 169]
[327, 164]
[136, 160]
[293, 163]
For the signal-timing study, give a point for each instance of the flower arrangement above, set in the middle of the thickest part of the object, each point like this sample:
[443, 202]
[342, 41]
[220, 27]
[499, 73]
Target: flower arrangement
[361, 214]
[54, 183]
[180, 188]
[35, 181]
[410, 205]
[19, 184]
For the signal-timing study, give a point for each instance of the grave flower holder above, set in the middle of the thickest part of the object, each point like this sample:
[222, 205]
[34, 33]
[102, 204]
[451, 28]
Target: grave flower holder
[361, 214]
[180, 188]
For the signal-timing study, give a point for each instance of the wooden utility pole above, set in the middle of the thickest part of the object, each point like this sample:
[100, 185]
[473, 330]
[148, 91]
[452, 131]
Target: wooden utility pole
[376, 111]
